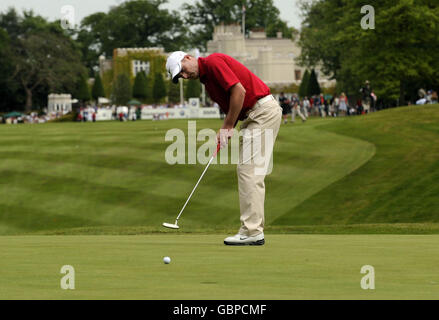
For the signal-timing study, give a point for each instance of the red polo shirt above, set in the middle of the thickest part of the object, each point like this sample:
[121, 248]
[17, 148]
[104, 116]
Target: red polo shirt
[219, 72]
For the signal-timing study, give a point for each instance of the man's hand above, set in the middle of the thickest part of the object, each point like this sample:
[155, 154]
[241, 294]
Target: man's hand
[223, 136]
[237, 96]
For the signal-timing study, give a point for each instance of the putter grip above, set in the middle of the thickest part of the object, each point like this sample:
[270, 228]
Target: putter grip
[218, 146]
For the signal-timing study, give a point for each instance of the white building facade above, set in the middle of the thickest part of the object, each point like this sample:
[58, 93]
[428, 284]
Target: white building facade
[59, 103]
[271, 59]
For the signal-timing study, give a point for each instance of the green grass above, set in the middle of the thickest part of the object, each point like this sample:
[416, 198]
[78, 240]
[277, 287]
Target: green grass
[375, 170]
[344, 193]
[398, 185]
[287, 267]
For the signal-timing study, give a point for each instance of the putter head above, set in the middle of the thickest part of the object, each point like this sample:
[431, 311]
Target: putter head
[171, 226]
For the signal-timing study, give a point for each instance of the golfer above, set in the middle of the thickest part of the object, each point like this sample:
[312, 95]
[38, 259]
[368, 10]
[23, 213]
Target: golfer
[242, 96]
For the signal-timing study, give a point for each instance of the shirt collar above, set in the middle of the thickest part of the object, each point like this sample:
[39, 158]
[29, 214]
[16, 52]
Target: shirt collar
[202, 70]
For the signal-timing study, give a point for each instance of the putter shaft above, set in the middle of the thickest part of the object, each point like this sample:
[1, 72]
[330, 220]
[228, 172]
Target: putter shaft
[208, 164]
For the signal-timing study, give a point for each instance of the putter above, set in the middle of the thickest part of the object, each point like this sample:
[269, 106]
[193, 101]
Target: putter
[175, 225]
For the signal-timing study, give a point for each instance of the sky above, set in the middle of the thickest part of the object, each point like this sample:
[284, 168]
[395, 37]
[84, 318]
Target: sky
[51, 9]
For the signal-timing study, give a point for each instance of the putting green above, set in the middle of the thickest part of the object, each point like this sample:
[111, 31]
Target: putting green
[287, 267]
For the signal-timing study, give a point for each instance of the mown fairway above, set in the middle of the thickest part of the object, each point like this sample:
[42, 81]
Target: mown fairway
[382, 168]
[75, 175]
[287, 267]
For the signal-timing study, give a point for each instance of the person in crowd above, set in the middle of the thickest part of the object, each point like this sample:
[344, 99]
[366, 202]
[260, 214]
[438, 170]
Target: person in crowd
[352, 111]
[316, 105]
[366, 91]
[374, 101]
[305, 106]
[326, 108]
[335, 105]
[434, 97]
[343, 107]
[429, 93]
[285, 105]
[360, 107]
[422, 97]
[322, 106]
[295, 102]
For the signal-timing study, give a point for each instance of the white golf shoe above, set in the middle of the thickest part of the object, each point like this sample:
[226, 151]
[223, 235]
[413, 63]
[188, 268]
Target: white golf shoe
[243, 240]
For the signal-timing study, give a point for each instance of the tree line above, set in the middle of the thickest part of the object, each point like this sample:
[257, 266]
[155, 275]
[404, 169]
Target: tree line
[398, 56]
[38, 56]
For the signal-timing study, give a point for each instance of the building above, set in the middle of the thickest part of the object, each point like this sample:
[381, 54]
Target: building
[132, 61]
[59, 103]
[271, 59]
[274, 60]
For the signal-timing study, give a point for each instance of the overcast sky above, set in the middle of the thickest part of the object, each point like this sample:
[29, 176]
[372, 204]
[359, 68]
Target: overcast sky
[51, 9]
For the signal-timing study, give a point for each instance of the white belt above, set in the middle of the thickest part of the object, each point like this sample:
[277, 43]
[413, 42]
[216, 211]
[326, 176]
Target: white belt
[265, 99]
[260, 102]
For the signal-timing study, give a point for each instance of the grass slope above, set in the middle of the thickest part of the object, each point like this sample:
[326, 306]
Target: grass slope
[99, 177]
[398, 185]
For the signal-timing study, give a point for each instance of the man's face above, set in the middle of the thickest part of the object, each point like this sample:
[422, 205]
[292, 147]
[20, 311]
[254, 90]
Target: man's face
[189, 68]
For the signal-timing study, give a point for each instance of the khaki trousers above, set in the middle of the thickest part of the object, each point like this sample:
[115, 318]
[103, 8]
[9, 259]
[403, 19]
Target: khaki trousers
[262, 122]
[297, 110]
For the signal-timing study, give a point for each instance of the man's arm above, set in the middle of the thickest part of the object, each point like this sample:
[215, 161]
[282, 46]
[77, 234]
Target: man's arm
[237, 95]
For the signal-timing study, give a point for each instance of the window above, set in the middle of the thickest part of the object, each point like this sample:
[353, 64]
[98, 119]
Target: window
[298, 74]
[139, 66]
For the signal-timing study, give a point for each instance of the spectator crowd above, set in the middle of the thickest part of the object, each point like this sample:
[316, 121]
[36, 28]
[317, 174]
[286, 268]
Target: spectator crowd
[427, 97]
[327, 105]
[322, 105]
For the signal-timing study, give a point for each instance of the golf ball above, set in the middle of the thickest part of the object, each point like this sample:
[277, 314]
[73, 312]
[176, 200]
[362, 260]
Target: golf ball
[167, 260]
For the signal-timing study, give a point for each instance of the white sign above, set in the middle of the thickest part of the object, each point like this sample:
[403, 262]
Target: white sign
[177, 113]
[194, 102]
[104, 114]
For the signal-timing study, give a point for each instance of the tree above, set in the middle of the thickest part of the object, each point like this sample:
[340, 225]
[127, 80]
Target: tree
[83, 93]
[313, 84]
[398, 56]
[43, 57]
[173, 92]
[193, 89]
[140, 89]
[135, 23]
[304, 85]
[122, 90]
[159, 88]
[98, 88]
[204, 15]
[7, 87]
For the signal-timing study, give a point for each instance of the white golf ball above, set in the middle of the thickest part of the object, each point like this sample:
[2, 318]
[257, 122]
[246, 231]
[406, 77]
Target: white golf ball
[167, 260]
